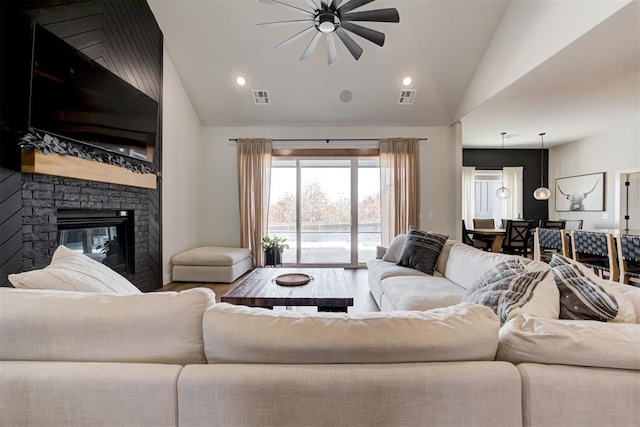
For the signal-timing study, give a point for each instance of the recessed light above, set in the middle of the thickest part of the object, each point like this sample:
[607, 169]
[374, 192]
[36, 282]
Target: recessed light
[241, 81]
[406, 81]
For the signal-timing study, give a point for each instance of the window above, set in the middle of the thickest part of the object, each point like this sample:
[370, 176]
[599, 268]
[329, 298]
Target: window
[487, 205]
[328, 209]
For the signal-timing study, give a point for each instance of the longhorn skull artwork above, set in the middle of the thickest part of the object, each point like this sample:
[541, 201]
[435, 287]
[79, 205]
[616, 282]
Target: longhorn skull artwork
[576, 200]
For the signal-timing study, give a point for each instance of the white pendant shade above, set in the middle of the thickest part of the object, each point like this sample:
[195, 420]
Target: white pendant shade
[542, 193]
[503, 193]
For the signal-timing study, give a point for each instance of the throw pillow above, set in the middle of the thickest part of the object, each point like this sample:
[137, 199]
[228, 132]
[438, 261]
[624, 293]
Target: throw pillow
[395, 248]
[509, 289]
[72, 271]
[421, 250]
[380, 251]
[586, 296]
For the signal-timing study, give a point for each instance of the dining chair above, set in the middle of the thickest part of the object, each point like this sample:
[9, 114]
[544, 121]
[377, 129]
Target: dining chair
[629, 258]
[478, 244]
[546, 223]
[548, 241]
[597, 251]
[484, 223]
[572, 224]
[516, 237]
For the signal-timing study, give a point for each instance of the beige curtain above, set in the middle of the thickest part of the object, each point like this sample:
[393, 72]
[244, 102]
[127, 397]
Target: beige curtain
[399, 186]
[254, 180]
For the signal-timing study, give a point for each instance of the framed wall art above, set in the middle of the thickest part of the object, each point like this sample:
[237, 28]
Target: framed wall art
[580, 193]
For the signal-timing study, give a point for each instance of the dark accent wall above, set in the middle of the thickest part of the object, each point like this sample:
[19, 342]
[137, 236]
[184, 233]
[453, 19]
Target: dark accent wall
[124, 37]
[529, 160]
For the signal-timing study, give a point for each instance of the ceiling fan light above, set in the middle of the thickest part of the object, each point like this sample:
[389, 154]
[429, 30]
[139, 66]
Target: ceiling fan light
[326, 23]
[542, 193]
[503, 193]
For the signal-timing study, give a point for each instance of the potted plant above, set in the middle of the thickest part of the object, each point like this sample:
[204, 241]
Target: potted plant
[273, 248]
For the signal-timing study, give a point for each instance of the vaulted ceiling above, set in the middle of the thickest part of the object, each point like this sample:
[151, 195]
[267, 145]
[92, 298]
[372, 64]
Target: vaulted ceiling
[583, 86]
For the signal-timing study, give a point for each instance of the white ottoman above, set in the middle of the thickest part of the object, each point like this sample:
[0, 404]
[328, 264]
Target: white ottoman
[211, 264]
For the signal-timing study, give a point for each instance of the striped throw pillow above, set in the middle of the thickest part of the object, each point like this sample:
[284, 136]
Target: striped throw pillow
[581, 296]
[510, 288]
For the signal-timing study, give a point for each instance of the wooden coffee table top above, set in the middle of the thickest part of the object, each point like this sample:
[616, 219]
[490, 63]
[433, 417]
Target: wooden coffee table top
[328, 290]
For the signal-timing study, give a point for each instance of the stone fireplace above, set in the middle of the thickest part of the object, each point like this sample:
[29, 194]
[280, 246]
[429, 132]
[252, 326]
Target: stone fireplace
[86, 215]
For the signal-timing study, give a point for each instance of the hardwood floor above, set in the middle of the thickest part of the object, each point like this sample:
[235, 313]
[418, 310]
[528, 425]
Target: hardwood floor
[356, 280]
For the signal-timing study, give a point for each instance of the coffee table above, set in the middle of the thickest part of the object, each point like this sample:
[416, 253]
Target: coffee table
[328, 291]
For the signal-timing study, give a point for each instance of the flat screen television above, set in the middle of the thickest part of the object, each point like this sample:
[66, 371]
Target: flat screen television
[76, 98]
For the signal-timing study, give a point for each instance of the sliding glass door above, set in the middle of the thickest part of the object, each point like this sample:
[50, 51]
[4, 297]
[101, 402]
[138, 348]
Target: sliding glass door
[328, 209]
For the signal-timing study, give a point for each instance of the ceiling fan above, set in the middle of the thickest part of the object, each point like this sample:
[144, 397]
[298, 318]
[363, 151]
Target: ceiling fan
[335, 19]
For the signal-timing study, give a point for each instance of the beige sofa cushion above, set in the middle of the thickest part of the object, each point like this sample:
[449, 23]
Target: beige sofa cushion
[88, 394]
[381, 270]
[465, 264]
[570, 342]
[421, 293]
[161, 327]
[239, 334]
[211, 255]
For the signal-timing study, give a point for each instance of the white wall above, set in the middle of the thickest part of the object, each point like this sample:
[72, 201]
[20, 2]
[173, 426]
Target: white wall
[610, 152]
[219, 191]
[181, 177]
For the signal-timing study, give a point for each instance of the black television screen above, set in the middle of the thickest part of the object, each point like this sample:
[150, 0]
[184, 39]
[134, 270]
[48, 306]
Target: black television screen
[74, 97]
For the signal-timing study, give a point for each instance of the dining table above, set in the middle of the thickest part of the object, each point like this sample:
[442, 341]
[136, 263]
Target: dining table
[497, 235]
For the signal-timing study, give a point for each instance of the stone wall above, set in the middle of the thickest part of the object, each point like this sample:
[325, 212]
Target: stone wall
[43, 195]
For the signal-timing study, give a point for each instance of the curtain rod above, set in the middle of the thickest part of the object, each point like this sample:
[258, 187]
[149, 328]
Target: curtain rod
[323, 139]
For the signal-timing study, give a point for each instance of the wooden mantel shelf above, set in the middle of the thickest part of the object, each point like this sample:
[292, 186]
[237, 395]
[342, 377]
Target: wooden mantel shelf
[75, 167]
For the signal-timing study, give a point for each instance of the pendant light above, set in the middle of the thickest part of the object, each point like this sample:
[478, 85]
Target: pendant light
[542, 192]
[503, 192]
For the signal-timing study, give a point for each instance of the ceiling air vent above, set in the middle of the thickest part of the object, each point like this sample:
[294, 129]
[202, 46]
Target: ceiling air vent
[407, 96]
[261, 97]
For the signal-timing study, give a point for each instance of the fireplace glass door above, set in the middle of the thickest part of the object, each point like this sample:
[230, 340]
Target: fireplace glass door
[104, 236]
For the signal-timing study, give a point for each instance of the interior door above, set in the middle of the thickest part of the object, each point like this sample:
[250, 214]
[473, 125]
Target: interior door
[631, 202]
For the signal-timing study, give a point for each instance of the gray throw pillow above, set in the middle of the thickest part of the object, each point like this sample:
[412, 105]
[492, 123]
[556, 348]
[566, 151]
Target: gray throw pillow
[395, 248]
[421, 250]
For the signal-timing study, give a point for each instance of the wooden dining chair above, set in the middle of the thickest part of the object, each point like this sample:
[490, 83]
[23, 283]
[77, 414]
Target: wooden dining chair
[546, 223]
[516, 237]
[628, 258]
[548, 241]
[466, 239]
[484, 223]
[596, 251]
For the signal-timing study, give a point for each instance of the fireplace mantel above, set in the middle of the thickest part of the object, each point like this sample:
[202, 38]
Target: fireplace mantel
[74, 167]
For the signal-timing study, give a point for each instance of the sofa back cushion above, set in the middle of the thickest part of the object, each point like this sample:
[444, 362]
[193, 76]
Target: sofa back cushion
[465, 264]
[238, 334]
[570, 342]
[162, 327]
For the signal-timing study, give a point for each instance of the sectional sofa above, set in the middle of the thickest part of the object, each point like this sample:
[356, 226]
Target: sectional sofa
[180, 359]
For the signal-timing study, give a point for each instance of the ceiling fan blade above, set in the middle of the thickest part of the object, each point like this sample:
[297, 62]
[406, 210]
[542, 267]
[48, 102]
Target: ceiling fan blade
[295, 37]
[335, 4]
[353, 4]
[324, 4]
[311, 4]
[281, 23]
[312, 45]
[372, 35]
[353, 47]
[288, 6]
[378, 15]
[332, 53]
